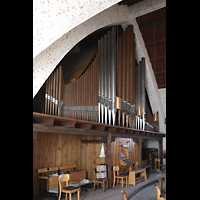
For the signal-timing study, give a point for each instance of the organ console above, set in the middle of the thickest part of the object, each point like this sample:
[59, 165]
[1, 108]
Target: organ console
[111, 75]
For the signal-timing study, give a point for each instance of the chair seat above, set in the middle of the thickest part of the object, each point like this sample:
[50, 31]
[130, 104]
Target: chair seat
[121, 176]
[101, 180]
[70, 189]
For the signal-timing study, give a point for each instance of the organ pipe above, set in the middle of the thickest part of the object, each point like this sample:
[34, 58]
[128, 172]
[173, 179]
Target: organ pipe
[112, 74]
[54, 93]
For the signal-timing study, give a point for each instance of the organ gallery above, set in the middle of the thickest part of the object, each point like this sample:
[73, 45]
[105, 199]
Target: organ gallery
[97, 130]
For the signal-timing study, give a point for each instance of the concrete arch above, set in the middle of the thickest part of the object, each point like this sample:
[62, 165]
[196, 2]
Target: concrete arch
[45, 62]
[52, 19]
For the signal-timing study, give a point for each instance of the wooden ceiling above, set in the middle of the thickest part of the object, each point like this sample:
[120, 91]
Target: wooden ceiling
[153, 29]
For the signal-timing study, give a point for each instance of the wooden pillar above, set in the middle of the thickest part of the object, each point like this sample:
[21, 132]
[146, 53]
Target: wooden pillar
[108, 159]
[140, 152]
[160, 146]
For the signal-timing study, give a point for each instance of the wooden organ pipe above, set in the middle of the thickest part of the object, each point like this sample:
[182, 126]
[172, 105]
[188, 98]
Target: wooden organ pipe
[126, 77]
[54, 93]
[82, 98]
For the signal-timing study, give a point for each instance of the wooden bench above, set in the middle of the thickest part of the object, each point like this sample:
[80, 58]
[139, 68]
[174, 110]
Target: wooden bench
[142, 176]
[51, 180]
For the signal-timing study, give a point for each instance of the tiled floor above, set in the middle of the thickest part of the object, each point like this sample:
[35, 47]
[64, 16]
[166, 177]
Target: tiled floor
[148, 193]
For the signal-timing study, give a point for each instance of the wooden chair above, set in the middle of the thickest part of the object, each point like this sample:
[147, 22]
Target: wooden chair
[161, 186]
[103, 181]
[157, 160]
[122, 177]
[165, 182]
[124, 194]
[67, 189]
[158, 193]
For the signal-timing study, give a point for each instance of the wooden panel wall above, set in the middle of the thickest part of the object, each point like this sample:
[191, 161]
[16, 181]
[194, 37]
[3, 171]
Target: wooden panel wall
[90, 155]
[61, 149]
[55, 149]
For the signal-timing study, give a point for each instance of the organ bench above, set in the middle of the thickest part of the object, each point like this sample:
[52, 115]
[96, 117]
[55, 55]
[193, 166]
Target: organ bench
[142, 176]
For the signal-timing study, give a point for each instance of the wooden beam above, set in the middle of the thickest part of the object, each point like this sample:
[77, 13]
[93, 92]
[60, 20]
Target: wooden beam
[152, 24]
[121, 130]
[84, 125]
[158, 57]
[111, 129]
[66, 130]
[49, 123]
[45, 121]
[149, 44]
[160, 72]
[160, 146]
[108, 159]
[65, 123]
[100, 127]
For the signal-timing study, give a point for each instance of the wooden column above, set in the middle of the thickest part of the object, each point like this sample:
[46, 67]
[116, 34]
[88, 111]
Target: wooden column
[140, 152]
[160, 146]
[108, 159]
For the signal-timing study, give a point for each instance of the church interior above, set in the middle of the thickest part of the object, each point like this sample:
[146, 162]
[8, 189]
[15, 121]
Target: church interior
[99, 99]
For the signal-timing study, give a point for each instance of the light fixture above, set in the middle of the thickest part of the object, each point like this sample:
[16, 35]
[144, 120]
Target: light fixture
[155, 119]
[139, 111]
[117, 103]
[102, 153]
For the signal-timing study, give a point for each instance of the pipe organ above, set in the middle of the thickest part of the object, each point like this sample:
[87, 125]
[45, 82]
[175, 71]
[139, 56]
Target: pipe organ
[140, 95]
[81, 96]
[54, 93]
[111, 88]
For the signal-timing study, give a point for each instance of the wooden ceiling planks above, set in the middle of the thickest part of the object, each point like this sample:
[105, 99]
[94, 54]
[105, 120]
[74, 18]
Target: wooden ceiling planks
[55, 124]
[153, 29]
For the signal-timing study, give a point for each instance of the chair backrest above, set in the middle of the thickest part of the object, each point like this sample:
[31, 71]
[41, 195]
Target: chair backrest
[116, 169]
[157, 160]
[62, 178]
[124, 194]
[161, 186]
[158, 192]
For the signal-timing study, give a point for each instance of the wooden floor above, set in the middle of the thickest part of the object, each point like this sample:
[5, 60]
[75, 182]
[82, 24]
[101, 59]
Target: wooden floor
[148, 193]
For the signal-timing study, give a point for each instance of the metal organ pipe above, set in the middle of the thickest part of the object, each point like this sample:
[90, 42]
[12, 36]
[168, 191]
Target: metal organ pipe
[140, 93]
[113, 72]
[54, 93]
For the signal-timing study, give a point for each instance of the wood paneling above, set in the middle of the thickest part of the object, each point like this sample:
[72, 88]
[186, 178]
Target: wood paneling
[153, 28]
[90, 153]
[55, 149]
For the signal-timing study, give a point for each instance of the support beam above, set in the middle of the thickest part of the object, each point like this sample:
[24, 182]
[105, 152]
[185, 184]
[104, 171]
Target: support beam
[41, 123]
[108, 159]
[44, 121]
[160, 146]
